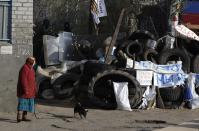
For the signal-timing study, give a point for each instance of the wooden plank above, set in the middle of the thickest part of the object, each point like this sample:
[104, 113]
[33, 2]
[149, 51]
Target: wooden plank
[114, 38]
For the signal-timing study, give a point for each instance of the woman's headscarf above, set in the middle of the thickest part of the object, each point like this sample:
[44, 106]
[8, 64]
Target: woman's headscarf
[30, 60]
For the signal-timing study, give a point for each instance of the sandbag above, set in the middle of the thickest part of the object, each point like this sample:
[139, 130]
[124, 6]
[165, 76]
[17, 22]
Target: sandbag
[121, 95]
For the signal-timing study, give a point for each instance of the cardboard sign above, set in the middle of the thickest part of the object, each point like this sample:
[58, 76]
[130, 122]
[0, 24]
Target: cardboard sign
[144, 77]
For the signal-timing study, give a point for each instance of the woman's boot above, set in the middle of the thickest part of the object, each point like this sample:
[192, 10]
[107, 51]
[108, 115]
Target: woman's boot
[24, 117]
[18, 116]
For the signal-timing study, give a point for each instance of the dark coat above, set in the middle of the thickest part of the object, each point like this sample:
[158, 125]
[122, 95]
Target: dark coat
[26, 87]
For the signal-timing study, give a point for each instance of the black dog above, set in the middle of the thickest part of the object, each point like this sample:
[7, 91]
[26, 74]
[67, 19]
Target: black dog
[80, 109]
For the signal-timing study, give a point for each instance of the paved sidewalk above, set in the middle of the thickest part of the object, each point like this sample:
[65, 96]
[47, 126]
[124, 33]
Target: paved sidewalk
[186, 126]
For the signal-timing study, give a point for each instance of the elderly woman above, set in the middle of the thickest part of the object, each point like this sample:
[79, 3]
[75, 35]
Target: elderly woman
[26, 90]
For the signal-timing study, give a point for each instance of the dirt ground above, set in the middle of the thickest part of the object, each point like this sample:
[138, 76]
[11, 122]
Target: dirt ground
[59, 116]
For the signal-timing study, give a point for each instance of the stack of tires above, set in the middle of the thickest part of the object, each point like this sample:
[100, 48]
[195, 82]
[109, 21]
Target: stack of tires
[62, 88]
[144, 46]
[140, 46]
[96, 81]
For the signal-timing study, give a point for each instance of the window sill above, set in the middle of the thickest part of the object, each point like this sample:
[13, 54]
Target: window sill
[4, 43]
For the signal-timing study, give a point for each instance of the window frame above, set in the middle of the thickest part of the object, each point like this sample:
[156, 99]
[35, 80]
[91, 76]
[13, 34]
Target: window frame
[6, 4]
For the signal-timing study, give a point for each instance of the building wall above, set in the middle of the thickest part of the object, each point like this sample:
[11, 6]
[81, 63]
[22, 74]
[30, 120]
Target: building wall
[14, 53]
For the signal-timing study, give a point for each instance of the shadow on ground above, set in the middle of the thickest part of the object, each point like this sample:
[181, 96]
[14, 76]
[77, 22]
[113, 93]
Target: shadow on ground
[93, 103]
[68, 103]
[7, 120]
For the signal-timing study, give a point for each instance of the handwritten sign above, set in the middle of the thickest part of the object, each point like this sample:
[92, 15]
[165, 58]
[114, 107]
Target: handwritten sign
[148, 65]
[168, 80]
[144, 77]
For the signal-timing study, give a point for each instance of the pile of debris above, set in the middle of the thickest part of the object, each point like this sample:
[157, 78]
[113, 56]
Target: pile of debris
[137, 72]
[137, 61]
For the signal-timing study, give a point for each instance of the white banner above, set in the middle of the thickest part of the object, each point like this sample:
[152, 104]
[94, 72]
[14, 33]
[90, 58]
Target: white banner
[168, 80]
[148, 65]
[101, 8]
[95, 17]
[163, 75]
[145, 65]
[98, 9]
[183, 31]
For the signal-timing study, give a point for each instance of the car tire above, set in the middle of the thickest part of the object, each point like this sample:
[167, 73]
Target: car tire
[150, 55]
[44, 90]
[174, 55]
[135, 95]
[171, 94]
[195, 64]
[134, 49]
[64, 86]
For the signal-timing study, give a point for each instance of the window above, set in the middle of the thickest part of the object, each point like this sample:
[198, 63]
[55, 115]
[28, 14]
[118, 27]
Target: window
[5, 20]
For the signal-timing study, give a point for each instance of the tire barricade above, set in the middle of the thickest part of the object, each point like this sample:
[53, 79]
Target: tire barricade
[140, 46]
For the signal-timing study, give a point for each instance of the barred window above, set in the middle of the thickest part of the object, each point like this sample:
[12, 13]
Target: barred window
[5, 20]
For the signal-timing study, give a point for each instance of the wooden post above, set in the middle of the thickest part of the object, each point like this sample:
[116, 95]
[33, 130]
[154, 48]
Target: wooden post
[114, 38]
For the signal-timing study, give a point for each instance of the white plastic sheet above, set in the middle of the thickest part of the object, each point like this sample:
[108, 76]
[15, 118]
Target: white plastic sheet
[129, 63]
[57, 49]
[51, 49]
[192, 82]
[149, 95]
[67, 65]
[121, 95]
[185, 32]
